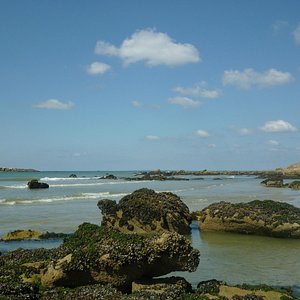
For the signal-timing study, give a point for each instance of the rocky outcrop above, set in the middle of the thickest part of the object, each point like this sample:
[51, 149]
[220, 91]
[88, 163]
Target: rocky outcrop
[295, 185]
[19, 235]
[214, 289]
[109, 176]
[17, 170]
[165, 288]
[146, 211]
[266, 217]
[72, 175]
[35, 184]
[97, 255]
[273, 182]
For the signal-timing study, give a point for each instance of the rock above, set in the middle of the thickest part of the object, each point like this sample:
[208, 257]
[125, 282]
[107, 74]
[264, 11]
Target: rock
[99, 255]
[72, 175]
[295, 185]
[35, 184]
[110, 176]
[273, 182]
[266, 217]
[146, 211]
[214, 289]
[19, 235]
[166, 288]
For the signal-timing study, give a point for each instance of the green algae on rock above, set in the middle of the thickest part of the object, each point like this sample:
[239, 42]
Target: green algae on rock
[145, 211]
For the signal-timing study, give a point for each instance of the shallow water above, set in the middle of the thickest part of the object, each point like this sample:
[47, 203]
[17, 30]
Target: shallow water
[229, 257]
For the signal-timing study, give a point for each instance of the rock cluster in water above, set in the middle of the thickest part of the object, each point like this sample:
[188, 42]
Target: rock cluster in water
[35, 184]
[266, 217]
[278, 183]
[146, 211]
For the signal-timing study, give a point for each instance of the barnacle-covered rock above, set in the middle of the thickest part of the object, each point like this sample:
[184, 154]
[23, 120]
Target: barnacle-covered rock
[145, 211]
[266, 217]
[99, 255]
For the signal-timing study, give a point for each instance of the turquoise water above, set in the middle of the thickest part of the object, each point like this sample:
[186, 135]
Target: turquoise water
[230, 257]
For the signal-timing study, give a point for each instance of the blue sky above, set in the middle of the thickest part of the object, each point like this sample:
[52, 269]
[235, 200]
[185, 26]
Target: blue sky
[181, 84]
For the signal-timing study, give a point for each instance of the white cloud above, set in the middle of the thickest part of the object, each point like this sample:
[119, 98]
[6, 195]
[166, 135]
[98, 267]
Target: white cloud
[98, 68]
[273, 142]
[278, 126]
[136, 103]
[152, 137]
[279, 25]
[296, 34]
[245, 131]
[211, 145]
[202, 133]
[54, 104]
[184, 101]
[156, 48]
[249, 77]
[199, 90]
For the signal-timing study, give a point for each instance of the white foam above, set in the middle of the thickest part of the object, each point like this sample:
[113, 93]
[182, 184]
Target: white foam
[66, 178]
[20, 186]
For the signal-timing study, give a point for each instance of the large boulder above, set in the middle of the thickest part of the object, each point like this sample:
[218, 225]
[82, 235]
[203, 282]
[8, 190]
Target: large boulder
[146, 211]
[99, 255]
[266, 217]
[35, 184]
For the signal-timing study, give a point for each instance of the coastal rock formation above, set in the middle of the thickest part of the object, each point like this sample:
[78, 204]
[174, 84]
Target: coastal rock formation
[169, 288]
[273, 182]
[35, 184]
[214, 289]
[146, 211]
[109, 176]
[266, 217]
[19, 235]
[295, 185]
[97, 255]
[17, 170]
[72, 175]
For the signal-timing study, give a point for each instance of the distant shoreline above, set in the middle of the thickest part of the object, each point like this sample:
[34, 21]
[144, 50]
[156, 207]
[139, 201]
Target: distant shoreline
[17, 170]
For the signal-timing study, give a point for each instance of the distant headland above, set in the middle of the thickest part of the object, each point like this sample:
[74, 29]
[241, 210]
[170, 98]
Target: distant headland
[17, 170]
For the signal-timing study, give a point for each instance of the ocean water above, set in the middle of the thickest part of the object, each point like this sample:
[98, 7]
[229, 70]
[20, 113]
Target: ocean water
[230, 257]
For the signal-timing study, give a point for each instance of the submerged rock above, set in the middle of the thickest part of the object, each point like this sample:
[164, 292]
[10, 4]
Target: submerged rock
[266, 217]
[98, 255]
[146, 211]
[35, 184]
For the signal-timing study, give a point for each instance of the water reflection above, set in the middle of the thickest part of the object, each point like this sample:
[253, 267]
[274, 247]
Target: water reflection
[237, 258]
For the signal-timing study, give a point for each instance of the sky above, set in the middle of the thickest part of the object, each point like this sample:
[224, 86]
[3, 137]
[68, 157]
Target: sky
[136, 85]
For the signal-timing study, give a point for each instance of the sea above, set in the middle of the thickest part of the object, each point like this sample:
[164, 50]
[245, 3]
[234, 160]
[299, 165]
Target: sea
[233, 258]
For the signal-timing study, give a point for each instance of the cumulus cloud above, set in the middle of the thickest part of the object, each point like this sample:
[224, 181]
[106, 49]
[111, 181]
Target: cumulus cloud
[296, 34]
[97, 68]
[184, 101]
[202, 133]
[152, 137]
[54, 104]
[245, 131]
[278, 126]
[249, 77]
[199, 90]
[155, 48]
